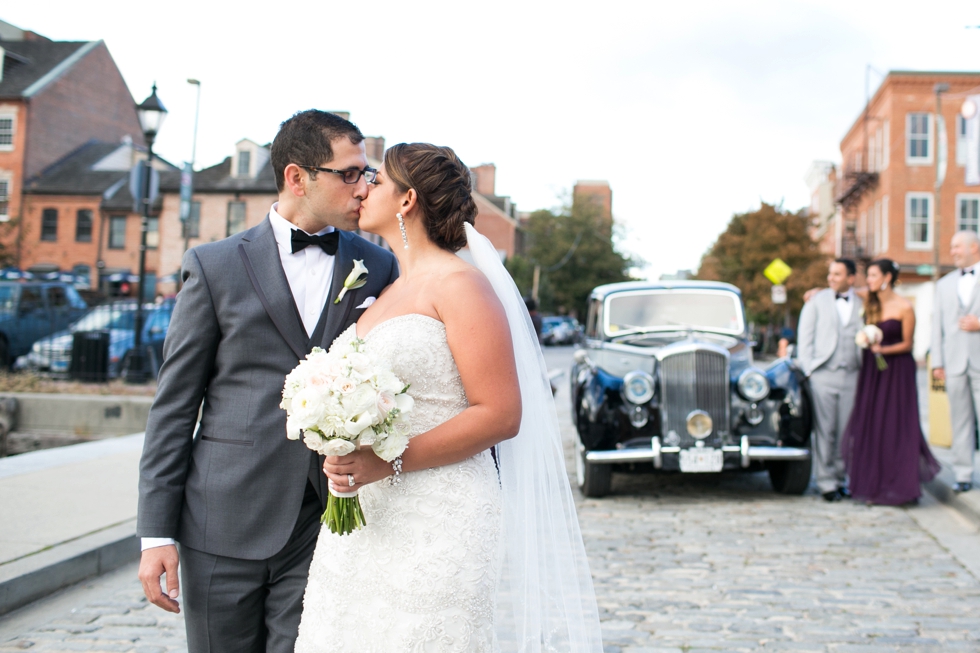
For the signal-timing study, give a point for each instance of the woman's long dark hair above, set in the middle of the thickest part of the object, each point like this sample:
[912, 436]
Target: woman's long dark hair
[872, 305]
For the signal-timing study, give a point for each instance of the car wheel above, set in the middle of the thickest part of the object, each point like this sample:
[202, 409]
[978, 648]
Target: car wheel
[790, 477]
[594, 480]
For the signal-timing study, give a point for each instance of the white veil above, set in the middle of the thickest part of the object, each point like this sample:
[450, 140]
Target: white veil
[545, 598]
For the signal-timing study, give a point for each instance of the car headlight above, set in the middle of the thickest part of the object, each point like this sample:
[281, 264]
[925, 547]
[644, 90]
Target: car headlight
[753, 385]
[699, 424]
[638, 387]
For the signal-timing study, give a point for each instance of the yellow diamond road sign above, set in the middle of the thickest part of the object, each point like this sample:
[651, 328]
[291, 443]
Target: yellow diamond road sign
[777, 271]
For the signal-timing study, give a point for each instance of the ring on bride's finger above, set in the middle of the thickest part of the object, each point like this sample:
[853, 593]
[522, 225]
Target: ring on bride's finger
[350, 480]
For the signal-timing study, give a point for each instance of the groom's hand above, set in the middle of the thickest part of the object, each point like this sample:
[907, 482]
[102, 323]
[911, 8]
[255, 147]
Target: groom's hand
[154, 563]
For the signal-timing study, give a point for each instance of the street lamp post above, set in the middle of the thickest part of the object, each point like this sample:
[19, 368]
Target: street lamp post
[187, 218]
[151, 114]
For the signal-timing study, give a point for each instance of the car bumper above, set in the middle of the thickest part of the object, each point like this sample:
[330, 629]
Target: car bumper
[654, 454]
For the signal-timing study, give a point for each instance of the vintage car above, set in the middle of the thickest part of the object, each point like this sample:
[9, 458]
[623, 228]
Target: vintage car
[666, 382]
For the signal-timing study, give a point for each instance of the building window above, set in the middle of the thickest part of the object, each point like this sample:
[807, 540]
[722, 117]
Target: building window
[4, 200]
[918, 221]
[968, 213]
[236, 218]
[885, 149]
[49, 224]
[117, 232]
[152, 233]
[192, 227]
[918, 132]
[244, 161]
[884, 224]
[83, 226]
[960, 140]
[6, 132]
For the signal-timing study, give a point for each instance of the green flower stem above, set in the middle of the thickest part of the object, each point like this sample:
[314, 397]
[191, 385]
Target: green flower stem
[343, 515]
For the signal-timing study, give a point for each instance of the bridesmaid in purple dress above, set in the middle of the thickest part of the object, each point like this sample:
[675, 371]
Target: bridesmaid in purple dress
[886, 455]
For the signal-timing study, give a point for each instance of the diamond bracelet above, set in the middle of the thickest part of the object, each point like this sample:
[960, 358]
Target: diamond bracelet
[396, 466]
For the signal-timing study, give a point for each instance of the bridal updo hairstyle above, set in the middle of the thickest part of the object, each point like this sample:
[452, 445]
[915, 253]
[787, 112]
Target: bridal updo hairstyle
[443, 188]
[872, 307]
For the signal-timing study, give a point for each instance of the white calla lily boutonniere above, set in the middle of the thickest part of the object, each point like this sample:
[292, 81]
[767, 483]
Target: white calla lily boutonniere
[354, 280]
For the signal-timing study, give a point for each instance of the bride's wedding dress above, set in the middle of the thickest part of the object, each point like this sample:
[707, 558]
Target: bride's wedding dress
[422, 574]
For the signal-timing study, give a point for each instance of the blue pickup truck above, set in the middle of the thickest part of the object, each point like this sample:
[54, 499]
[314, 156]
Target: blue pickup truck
[31, 310]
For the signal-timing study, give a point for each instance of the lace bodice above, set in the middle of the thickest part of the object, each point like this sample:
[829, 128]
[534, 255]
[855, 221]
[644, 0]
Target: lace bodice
[421, 576]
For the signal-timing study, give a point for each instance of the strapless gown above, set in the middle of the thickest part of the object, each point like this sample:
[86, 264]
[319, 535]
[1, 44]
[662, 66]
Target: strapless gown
[885, 453]
[422, 574]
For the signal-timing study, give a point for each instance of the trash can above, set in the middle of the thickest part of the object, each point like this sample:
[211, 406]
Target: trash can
[90, 356]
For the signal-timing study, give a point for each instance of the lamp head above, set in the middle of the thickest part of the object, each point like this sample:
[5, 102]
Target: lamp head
[151, 114]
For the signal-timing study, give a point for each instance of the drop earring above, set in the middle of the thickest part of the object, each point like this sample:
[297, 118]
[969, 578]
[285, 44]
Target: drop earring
[401, 227]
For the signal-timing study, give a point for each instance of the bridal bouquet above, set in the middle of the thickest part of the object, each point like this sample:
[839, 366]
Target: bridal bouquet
[338, 400]
[871, 335]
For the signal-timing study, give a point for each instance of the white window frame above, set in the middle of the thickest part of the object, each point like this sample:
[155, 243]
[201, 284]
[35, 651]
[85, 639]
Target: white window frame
[251, 163]
[12, 115]
[7, 178]
[960, 140]
[884, 225]
[885, 142]
[876, 212]
[909, 243]
[930, 140]
[966, 197]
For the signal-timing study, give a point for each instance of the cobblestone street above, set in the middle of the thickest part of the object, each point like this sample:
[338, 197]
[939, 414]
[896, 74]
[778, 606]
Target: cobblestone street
[681, 564]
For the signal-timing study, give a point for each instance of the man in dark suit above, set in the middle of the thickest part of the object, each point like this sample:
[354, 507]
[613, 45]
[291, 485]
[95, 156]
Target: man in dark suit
[240, 499]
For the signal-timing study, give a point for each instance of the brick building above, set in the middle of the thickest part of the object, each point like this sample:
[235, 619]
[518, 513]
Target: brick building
[594, 193]
[55, 96]
[886, 183]
[78, 216]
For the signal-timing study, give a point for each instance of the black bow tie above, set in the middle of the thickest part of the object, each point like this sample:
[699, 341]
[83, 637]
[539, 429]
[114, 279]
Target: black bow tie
[966, 272]
[844, 297]
[328, 242]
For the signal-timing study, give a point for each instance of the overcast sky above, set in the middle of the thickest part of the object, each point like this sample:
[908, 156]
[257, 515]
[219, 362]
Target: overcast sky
[692, 111]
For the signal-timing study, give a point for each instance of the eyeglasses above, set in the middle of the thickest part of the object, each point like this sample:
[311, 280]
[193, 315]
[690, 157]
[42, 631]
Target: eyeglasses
[349, 176]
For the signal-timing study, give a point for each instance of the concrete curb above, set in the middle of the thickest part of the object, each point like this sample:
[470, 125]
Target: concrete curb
[36, 576]
[943, 493]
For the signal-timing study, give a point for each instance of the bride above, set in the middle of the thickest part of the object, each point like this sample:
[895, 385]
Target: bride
[462, 551]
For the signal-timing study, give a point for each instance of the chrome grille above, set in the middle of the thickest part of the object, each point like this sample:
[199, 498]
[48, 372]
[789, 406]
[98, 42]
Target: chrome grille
[694, 380]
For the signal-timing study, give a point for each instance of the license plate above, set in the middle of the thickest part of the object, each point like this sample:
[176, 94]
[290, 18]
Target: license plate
[702, 459]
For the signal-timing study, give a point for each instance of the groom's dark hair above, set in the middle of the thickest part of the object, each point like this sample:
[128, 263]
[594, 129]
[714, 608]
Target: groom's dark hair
[305, 140]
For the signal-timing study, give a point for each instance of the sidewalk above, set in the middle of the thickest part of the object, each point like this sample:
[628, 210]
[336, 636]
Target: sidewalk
[67, 514]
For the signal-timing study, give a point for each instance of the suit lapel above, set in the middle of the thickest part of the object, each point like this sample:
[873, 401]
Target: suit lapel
[343, 263]
[260, 253]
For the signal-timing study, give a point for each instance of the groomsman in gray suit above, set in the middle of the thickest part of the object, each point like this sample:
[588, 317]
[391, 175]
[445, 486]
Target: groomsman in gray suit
[240, 500]
[829, 356]
[956, 350]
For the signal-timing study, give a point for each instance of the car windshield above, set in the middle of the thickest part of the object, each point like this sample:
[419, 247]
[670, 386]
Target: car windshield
[667, 310]
[107, 317]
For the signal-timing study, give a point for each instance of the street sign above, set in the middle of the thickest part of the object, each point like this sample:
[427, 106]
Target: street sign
[779, 294]
[777, 271]
[924, 270]
[137, 184]
[186, 191]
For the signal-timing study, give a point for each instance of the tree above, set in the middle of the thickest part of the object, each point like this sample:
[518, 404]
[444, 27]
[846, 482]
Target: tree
[751, 241]
[575, 252]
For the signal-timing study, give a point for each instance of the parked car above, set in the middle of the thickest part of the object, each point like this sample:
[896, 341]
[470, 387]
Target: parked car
[666, 383]
[560, 330]
[30, 310]
[53, 353]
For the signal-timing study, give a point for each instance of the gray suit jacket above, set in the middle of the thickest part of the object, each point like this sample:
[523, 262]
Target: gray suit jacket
[952, 348]
[235, 489]
[819, 331]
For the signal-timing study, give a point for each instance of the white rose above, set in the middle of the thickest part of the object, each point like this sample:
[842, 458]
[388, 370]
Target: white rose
[386, 401]
[337, 447]
[390, 447]
[355, 425]
[385, 381]
[404, 403]
[344, 385]
[313, 440]
[292, 429]
[307, 407]
[362, 399]
[359, 362]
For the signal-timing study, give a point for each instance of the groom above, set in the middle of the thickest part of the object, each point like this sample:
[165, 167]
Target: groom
[242, 501]
[828, 355]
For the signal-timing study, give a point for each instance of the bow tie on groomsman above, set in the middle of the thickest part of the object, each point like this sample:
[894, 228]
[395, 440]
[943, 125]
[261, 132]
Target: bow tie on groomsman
[300, 240]
[967, 271]
[844, 297]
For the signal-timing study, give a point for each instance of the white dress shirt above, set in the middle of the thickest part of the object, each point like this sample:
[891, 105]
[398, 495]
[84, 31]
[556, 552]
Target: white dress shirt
[967, 283]
[309, 273]
[845, 307]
